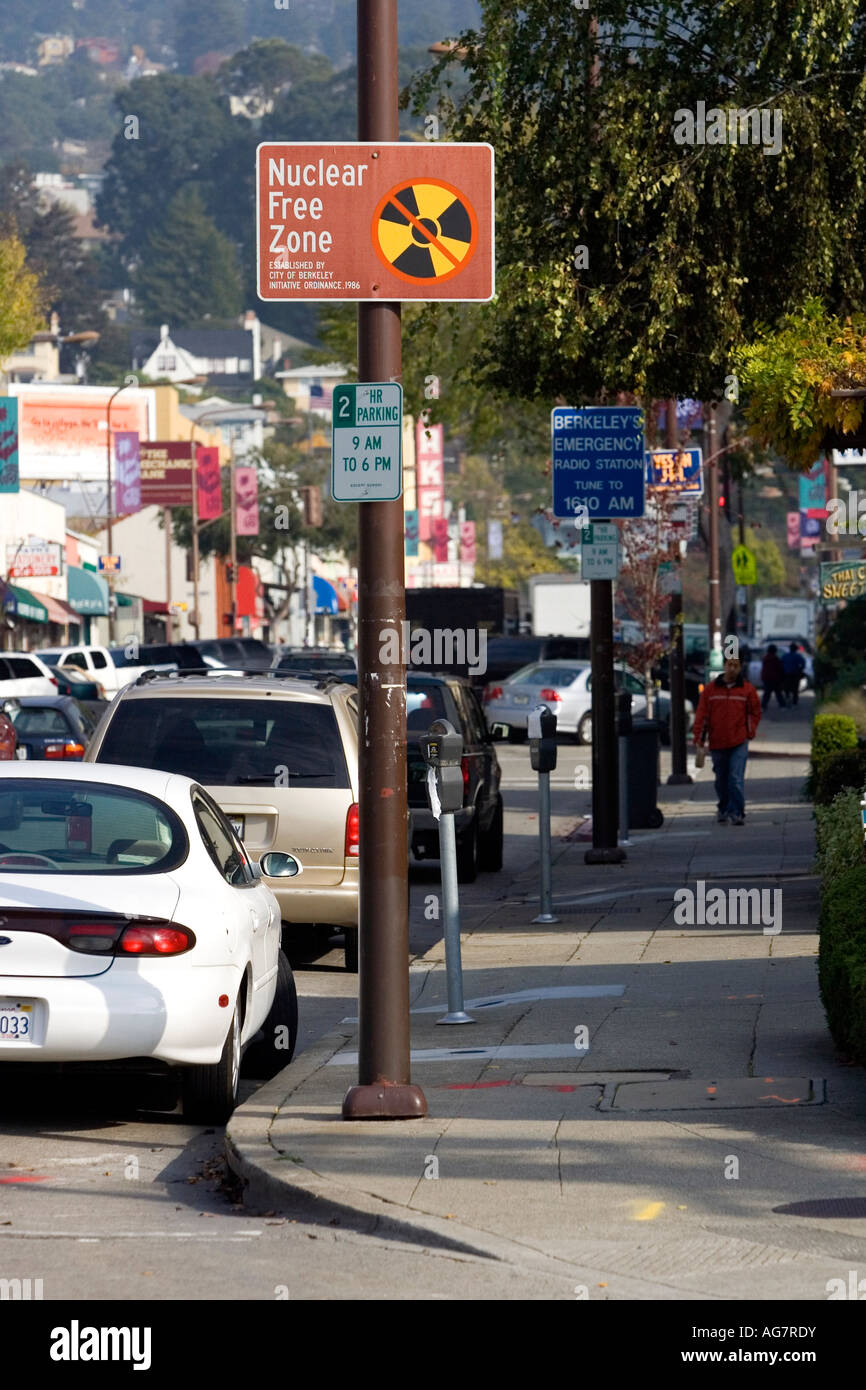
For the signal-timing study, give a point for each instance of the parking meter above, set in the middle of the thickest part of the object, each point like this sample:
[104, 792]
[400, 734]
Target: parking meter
[542, 739]
[623, 713]
[442, 747]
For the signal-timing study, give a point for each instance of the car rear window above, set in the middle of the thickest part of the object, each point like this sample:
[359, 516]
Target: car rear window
[57, 826]
[223, 742]
[23, 668]
[318, 662]
[423, 705]
[39, 722]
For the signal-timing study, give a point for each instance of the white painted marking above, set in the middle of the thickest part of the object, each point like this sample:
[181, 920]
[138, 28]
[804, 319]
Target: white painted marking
[474, 1054]
[127, 1235]
[519, 996]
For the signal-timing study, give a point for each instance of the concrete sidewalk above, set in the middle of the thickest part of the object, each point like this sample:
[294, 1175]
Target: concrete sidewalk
[644, 1108]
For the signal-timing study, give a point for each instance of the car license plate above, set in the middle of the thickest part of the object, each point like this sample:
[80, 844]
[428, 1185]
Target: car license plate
[21, 752]
[237, 823]
[521, 699]
[16, 1021]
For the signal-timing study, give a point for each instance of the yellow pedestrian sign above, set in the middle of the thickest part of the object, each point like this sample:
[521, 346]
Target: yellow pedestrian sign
[744, 565]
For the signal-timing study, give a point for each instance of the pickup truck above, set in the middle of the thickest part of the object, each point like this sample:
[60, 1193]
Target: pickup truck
[99, 663]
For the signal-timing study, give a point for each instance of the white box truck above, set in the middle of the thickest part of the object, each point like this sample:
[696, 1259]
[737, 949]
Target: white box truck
[784, 617]
[558, 605]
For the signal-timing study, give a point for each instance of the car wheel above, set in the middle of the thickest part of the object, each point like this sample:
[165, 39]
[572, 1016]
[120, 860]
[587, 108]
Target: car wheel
[584, 728]
[655, 818]
[490, 848]
[467, 854]
[210, 1092]
[350, 950]
[517, 735]
[279, 1030]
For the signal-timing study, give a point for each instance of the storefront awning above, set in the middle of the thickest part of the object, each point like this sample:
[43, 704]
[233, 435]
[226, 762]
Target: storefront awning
[125, 600]
[326, 595]
[23, 604]
[88, 592]
[57, 610]
[153, 605]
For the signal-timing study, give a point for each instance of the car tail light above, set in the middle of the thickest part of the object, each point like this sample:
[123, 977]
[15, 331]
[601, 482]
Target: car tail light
[352, 830]
[110, 934]
[54, 681]
[548, 693]
[55, 751]
[464, 768]
[165, 940]
[493, 692]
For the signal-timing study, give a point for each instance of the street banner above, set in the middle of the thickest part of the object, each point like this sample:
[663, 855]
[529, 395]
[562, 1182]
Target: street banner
[810, 530]
[166, 473]
[793, 519]
[841, 580]
[246, 502]
[390, 220]
[430, 476]
[440, 539]
[494, 540]
[467, 542]
[127, 472]
[9, 444]
[410, 531]
[812, 489]
[209, 482]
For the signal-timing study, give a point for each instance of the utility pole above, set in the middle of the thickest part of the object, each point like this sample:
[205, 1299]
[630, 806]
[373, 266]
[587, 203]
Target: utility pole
[605, 815]
[679, 775]
[384, 1090]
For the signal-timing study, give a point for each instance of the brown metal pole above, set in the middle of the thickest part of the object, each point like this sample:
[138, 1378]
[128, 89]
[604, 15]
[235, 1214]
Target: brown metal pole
[714, 597]
[605, 810]
[166, 521]
[195, 557]
[384, 1090]
[679, 775]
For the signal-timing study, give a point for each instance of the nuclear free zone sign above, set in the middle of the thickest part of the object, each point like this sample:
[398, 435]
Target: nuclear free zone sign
[387, 221]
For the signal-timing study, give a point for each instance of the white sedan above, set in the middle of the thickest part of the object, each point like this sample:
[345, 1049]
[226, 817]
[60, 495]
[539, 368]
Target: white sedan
[133, 924]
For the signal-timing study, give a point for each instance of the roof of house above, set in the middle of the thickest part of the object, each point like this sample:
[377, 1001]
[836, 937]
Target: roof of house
[200, 342]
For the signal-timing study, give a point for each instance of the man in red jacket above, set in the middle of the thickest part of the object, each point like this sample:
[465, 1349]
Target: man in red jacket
[728, 715]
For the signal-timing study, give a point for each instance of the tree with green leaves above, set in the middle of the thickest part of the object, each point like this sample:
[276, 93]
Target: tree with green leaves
[188, 270]
[21, 304]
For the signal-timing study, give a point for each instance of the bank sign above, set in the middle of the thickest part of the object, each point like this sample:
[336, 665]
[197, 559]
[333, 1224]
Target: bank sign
[842, 581]
[598, 461]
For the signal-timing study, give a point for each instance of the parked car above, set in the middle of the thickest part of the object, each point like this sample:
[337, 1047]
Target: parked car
[279, 755]
[505, 655]
[247, 653]
[137, 926]
[315, 659]
[25, 673]
[8, 736]
[77, 683]
[55, 728]
[478, 825]
[566, 686]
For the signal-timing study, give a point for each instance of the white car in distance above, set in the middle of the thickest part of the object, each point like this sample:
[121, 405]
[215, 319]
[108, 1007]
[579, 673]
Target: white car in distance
[133, 925]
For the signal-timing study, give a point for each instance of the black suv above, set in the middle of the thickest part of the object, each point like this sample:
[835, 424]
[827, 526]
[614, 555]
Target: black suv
[505, 655]
[247, 653]
[479, 822]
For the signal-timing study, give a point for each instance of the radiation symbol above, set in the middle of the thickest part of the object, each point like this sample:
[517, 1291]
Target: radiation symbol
[424, 229]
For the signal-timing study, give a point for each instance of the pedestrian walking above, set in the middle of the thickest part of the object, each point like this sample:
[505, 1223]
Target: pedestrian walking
[793, 665]
[727, 717]
[772, 678]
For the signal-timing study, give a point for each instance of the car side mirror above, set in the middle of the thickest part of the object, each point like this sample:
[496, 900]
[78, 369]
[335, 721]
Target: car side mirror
[279, 865]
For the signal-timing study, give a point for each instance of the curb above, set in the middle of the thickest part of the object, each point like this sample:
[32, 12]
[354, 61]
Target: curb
[273, 1183]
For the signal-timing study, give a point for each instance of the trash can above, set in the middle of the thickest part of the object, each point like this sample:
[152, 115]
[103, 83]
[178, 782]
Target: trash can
[643, 775]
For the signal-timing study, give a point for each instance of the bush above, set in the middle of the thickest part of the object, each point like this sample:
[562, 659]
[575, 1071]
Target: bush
[830, 734]
[839, 833]
[837, 772]
[842, 961]
[848, 698]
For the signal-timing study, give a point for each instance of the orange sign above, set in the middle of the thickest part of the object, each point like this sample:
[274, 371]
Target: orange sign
[375, 222]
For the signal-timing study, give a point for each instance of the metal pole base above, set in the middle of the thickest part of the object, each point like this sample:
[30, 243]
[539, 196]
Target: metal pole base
[605, 856]
[456, 1018]
[384, 1100]
[679, 779]
[544, 917]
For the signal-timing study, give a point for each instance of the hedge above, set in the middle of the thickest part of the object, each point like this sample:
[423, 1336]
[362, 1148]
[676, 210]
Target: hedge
[837, 772]
[831, 733]
[842, 961]
[839, 834]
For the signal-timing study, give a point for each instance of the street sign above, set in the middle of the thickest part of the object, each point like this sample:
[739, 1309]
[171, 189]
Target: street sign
[598, 460]
[744, 565]
[599, 551]
[110, 564]
[676, 470]
[842, 581]
[390, 220]
[366, 442]
[683, 520]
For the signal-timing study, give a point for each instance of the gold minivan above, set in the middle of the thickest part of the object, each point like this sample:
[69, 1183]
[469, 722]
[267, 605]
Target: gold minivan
[278, 754]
